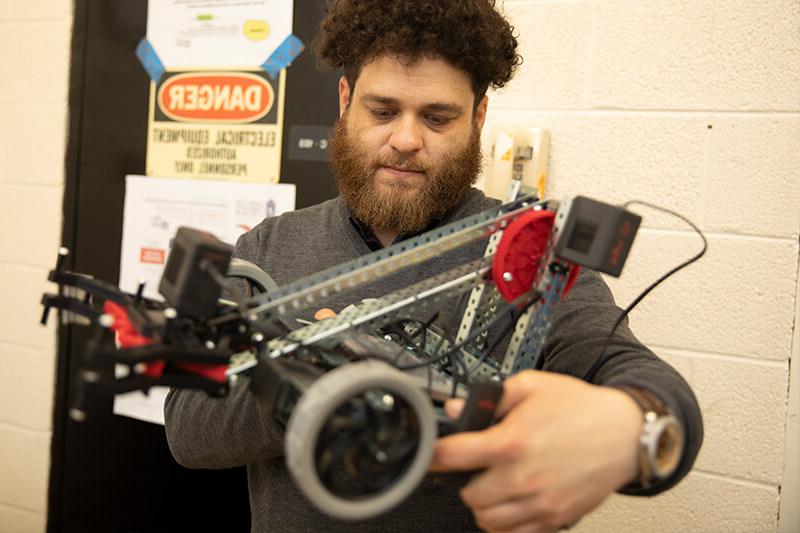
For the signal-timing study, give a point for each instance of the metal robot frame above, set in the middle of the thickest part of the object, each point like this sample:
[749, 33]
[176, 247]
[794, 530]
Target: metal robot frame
[360, 394]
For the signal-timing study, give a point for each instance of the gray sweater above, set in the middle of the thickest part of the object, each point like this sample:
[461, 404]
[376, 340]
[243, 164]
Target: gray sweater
[223, 433]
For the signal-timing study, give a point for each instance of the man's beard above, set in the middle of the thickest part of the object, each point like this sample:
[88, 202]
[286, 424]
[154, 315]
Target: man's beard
[445, 183]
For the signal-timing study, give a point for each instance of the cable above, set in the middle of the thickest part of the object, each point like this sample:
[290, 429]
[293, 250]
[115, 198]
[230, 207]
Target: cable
[603, 358]
[422, 329]
[524, 299]
[512, 322]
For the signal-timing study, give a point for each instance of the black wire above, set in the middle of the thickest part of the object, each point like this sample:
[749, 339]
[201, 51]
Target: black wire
[512, 323]
[457, 347]
[422, 329]
[399, 329]
[454, 358]
[603, 358]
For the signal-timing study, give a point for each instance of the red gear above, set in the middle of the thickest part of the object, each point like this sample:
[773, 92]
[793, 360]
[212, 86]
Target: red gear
[520, 252]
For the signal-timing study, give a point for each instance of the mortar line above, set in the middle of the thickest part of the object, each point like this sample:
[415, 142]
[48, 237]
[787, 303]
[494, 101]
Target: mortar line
[736, 480]
[688, 231]
[677, 112]
[22, 509]
[29, 185]
[34, 266]
[12, 21]
[13, 344]
[5, 425]
[772, 363]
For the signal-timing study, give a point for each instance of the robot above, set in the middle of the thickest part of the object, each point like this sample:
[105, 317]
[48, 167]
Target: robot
[360, 394]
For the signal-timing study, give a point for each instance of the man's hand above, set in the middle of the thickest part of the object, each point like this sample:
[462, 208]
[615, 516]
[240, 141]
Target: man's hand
[561, 447]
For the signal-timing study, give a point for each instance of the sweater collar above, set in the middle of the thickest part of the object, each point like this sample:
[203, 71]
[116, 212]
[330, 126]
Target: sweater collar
[372, 241]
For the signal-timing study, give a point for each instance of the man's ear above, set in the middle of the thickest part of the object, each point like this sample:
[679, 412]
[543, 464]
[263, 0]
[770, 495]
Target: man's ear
[344, 95]
[480, 112]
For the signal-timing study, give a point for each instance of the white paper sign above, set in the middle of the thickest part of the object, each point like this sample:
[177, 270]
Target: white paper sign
[154, 209]
[217, 33]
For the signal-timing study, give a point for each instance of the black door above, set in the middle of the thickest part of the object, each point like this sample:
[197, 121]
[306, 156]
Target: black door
[112, 473]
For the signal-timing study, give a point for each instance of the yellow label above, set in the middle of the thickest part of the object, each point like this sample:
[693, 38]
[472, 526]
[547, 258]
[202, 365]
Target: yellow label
[256, 30]
[542, 185]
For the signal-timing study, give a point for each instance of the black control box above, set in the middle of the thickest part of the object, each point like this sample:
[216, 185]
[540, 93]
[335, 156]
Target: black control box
[188, 283]
[597, 235]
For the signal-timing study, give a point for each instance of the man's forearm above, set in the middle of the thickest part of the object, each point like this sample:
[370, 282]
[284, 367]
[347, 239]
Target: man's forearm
[205, 432]
[580, 335]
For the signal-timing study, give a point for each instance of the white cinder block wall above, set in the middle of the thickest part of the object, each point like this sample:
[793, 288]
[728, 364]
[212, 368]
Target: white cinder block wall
[691, 104]
[34, 63]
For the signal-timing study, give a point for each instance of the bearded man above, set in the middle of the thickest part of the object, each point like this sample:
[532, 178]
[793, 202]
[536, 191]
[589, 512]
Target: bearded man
[405, 154]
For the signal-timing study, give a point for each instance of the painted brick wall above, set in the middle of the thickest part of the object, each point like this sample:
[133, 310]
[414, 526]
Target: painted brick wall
[693, 105]
[34, 60]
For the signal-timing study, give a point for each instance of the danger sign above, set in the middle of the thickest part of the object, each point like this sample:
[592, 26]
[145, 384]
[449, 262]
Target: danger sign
[218, 125]
[216, 97]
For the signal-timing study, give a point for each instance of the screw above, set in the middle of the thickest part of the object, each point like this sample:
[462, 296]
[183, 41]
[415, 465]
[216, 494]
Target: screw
[77, 415]
[63, 252]
[507, 276]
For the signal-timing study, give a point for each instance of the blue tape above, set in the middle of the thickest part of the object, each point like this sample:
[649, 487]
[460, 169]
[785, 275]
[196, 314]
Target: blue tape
[282, 57]
[150, 61]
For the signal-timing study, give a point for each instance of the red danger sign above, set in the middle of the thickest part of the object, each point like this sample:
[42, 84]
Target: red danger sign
[215, 97]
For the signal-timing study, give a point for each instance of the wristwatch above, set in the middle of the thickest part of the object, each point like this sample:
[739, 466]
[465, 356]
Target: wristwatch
[661, 440]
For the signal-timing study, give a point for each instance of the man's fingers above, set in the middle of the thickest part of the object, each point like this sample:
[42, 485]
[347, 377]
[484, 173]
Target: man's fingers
[497, 484]
[509, 515]
[519, 387]
[470, 450]
[453, 407]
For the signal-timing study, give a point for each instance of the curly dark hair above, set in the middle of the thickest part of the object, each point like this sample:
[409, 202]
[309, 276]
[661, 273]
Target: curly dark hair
[469, 34]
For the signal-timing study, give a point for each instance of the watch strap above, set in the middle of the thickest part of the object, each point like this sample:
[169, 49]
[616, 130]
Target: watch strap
[646, 400]
[655, 416]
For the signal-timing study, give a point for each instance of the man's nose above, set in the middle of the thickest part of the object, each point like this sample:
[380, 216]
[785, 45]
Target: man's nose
[406, 136]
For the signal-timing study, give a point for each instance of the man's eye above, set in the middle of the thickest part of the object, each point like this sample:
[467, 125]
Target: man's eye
[382, 114]
[437, 120]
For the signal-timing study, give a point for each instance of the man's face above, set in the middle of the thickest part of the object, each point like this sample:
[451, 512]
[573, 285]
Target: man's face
[407, 145]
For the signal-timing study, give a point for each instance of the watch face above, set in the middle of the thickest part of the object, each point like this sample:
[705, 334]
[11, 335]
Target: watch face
[668, 446]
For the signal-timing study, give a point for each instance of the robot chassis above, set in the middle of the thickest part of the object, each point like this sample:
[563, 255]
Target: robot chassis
[359, 394]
